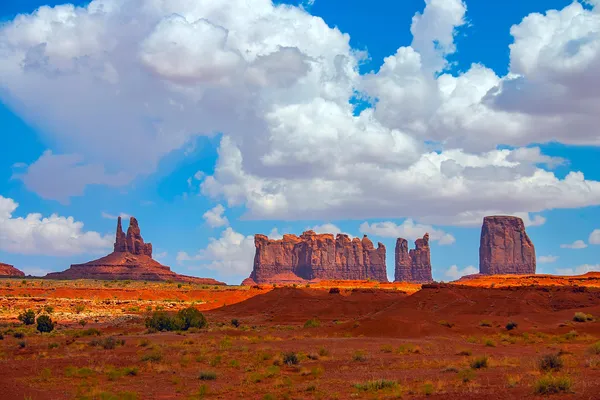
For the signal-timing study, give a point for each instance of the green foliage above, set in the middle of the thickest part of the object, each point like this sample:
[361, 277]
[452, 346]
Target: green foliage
[582, 317]
[290, 358]
[182, 321]
[550, 362]
[479, 362]
[207, 376]
[550, 385]
[312, 323]
[376, 385]
[27, 317]
[108, 343]
[595, 348]
[45, 324]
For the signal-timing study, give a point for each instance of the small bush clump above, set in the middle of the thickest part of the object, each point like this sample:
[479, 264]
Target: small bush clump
[312, 323]
[359, 356]
[373, 386]
[446, 323]
[485, 323]
[595, 348]
[290, 358]
[582, 317]
[182, 321]
[235, 322]
[27, 317]
[45, 324]
[511, 325]
[479, 362]
[550, 385]
[207, 376]
[550, 362]
[108, 343]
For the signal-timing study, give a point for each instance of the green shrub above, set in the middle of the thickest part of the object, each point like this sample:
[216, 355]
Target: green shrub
[45, 324]
[312, 323]
[550, 385]
[183, 320]
[108, 343]
[550, 362]
[466, 375]
[595, 348]
[479, 362]
[359, 356]
[207, 375]
[191, 318]
[27, 317]
[235, 323]
[373, 386]
[152, 357]
[511, 325]
[290, 358]
[582, 317]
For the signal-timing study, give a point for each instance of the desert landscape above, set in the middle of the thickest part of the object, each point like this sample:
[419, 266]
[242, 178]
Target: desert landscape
[149, 333]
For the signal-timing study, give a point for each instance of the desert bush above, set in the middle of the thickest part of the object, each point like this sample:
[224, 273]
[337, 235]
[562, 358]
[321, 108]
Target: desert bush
[22, 344]
[235, 322]
[323, 352]
[511, 325]
[359, 356]
[373, 386]
[479, 362]
[550, 385]
[582, 317]
[466, 375]
[27, 317]
[1, 336]
[48, 309]
[290, 358]
[387, 348]
[595, 348]
[18, 335]
[154, 356]
[446, 323]
[108, 343]
[207, 376]
[550, 362]
[489, 342]
[183, 320]
[312, 323]
[334, 290]
[45, 324]
[485, 323]
[464, 352]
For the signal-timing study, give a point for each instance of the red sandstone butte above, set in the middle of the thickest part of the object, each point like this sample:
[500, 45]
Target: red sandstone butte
[9, 271]
[505, 247]
[130, 260]
[413, 266]
[314, 256]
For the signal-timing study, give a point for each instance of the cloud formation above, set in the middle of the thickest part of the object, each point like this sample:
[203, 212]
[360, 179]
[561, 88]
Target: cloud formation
[576, 245]
[407, 230]
[455, 273]
[51, 236]
[277, 82]
[215, 218]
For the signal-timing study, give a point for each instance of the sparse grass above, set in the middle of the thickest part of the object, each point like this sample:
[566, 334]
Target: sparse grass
[466, 375]
[376, 385]
[594, 349]
[464, 352]
[323, 352]
[154, 356]
[359, 356]
[479, 362]
[582, 317]
[513, 380]
[108, 343]
[387, 348]
[550, 362]
[312, 323]
[408, 349]
[550, 384]
[207, 375]
[489, 342]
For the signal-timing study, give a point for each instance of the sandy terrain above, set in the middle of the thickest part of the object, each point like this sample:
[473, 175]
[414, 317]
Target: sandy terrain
[369, 341]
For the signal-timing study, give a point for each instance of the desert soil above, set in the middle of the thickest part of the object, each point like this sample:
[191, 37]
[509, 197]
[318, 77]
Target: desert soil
[416, 343]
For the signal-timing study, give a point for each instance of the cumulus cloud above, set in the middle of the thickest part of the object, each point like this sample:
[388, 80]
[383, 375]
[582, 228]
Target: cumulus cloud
[215, 218]
[111, 216]
[455, 273]
[276, 81]
[326, 228]
[547, 259]
[230, 254]
[594, 237]
[580, 270]
[52, 236]
[578, 244]
[407, 230]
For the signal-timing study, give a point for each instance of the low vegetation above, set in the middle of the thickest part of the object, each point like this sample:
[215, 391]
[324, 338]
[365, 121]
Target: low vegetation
[550, 384]
[182, 321]
[550, 362]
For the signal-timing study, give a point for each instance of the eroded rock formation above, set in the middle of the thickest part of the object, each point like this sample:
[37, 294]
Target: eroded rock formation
[314, 256]
[7, 270]
[505, 247]
[415, 265]
[131, 259]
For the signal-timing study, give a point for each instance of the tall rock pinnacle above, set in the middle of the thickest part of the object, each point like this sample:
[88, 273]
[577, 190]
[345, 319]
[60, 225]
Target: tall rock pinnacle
[132, 242]
[415, 265]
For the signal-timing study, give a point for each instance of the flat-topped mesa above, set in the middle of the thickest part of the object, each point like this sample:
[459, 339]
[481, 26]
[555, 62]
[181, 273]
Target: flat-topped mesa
[415, 265]
[505, 247]
[317, 256]
[7, 270]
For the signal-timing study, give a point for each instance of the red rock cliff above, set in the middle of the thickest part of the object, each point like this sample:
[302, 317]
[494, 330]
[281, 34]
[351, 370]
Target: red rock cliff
[505, 247]
[10, 271]
[413, 266]
[317, 256]
[132, 242]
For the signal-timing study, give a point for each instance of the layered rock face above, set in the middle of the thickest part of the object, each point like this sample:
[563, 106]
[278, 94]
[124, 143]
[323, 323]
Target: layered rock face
[316, 256]
[7, 270]
[131, 259]
[505, 247]
[415, 265]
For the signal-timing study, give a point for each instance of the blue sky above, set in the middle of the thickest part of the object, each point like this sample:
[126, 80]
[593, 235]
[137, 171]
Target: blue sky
[168, 119]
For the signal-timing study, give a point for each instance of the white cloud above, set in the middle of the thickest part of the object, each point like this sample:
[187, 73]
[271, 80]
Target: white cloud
[547, 259]
[407, 230]
[454, 273]
[215, 218]
[284, 78]
[111, 216]
[594, 237]
[580, 270]
[578, 244]
[274, 234]
[231, 254]
[52, 236]
[326, 228]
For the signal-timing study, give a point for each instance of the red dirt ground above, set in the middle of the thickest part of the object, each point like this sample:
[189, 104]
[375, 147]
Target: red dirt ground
[421, 341]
